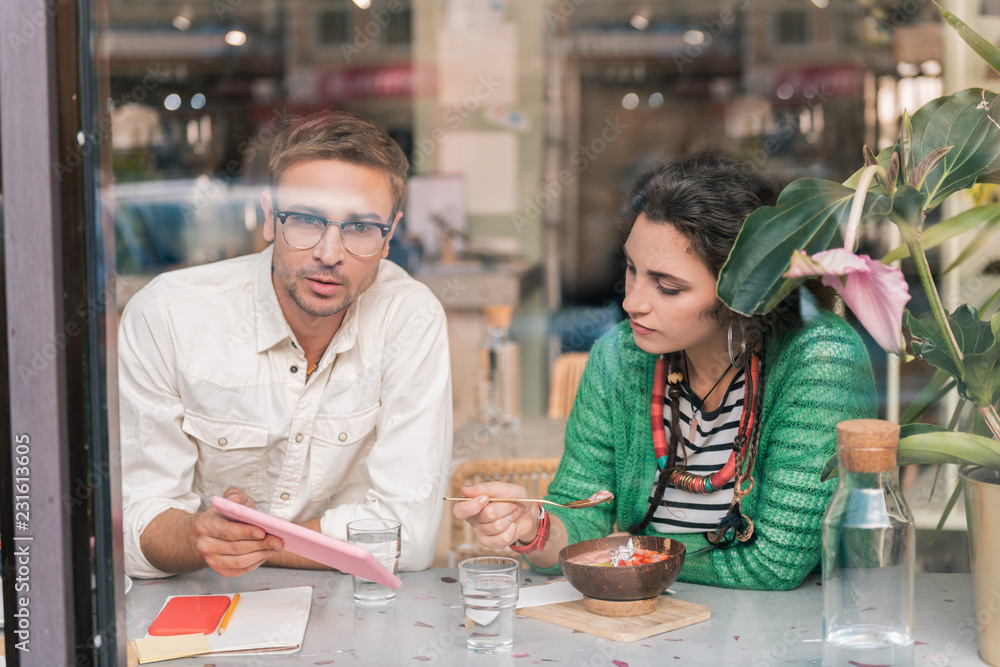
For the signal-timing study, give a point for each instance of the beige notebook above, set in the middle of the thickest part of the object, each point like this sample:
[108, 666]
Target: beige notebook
[271, 621]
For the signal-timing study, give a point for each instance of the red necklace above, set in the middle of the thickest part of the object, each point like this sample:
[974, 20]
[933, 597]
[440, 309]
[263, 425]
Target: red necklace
[689, 481]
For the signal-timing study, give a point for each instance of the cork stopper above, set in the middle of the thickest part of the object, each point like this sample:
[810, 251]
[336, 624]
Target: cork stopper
[867, 445]
[499, 317]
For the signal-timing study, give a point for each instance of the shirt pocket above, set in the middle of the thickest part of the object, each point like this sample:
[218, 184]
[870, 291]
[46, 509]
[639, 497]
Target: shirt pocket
[336, 443]
[230, 453]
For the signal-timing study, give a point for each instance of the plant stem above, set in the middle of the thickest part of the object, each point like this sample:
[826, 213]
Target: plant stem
[916, 247]
[992, 419]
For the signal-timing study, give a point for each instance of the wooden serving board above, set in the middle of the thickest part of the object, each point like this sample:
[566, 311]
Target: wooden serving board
[670, 614]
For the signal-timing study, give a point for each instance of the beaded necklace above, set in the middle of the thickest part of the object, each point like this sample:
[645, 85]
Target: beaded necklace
[739, 466]
[311, 370]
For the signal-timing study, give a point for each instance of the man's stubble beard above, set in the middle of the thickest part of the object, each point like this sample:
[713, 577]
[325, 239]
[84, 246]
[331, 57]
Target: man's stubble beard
[292, 288]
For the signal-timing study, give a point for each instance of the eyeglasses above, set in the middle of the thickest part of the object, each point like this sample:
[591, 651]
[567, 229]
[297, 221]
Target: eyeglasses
[303, 231]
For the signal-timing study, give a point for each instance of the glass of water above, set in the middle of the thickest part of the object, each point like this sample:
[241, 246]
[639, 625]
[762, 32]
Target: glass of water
[489, 597]
[381, 538]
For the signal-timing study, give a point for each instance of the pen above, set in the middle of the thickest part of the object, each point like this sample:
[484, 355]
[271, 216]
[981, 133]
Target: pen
[228, 614]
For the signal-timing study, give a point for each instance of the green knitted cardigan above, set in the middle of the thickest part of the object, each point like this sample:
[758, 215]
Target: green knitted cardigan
[814, 376]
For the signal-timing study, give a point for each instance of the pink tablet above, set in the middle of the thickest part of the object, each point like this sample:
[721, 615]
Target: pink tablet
[312, 544]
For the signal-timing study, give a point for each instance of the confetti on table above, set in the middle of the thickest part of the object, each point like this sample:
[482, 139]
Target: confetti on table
[736, 638]
[449, 580]
[423, 597]
[421, 658]
[619, 663]
[522, 655]
[421, 624]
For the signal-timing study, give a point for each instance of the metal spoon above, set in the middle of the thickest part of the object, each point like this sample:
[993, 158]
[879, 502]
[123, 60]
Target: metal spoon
[574, 505]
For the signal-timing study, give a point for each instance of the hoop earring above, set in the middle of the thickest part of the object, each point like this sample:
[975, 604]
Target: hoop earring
[729, 348]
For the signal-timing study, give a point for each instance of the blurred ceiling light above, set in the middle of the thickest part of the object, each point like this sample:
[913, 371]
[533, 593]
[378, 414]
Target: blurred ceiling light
[630, 101]
[822, 4]
[172, 102]
[197, 101]
[183, 19]
[656, 100]
[694, 37]
[639, 22]
[931, 68]
[785, 91]
[363, 4]
[236, 38]
[907, 69]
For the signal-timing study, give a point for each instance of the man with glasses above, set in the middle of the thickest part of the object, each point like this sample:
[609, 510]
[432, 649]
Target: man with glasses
[311, 381]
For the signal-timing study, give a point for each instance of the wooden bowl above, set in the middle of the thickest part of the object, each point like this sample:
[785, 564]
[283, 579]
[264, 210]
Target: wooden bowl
[623, 591]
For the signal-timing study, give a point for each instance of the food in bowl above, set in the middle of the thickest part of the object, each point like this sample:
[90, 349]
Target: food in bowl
[623, 556]
[621, 591]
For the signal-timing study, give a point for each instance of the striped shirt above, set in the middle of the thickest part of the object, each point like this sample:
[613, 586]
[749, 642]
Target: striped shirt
[683, 512]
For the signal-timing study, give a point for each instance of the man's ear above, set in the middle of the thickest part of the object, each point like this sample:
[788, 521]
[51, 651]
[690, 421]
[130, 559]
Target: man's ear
[388, 237]
[269, 221]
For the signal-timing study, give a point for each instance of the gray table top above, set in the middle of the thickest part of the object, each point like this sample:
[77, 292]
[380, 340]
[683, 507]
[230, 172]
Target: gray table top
[754, 628]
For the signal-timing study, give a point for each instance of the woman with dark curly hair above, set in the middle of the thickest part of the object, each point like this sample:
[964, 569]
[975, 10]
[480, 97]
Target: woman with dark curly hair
[708, 426]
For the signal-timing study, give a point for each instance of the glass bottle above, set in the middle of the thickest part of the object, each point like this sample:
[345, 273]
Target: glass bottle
[868, 552]
[500, 370]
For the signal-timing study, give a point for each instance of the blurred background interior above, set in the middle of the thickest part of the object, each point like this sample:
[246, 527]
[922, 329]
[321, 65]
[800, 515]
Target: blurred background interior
[524, 122]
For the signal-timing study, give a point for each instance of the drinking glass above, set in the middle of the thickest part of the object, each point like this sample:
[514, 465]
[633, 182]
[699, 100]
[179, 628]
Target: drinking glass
[381, 538]
[489, 597]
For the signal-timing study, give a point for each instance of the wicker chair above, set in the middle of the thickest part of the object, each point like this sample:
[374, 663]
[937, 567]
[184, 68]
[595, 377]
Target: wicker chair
[533, 474]
[566, 374]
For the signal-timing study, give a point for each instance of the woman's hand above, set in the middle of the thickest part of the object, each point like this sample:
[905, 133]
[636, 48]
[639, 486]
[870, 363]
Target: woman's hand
[497, 525]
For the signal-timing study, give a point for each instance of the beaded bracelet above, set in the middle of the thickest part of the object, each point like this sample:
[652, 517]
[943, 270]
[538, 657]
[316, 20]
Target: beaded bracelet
[541, 535]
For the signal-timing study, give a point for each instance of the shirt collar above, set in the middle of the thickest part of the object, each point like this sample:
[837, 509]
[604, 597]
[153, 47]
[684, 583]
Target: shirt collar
[271, 325]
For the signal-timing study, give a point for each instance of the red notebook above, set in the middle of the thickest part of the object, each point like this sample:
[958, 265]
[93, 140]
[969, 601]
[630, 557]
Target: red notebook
[190, 614]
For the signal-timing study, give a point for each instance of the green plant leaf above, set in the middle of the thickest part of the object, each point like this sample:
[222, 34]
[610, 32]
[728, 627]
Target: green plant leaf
[949, 447]
[922, 444]
[986, 50]
[966, 121]
[906, 209]
[935, 235]
[906, 158]
[979, 377]
[985, 232]
[930, 161]
[807, 217]
[947, 510]
[933, 391]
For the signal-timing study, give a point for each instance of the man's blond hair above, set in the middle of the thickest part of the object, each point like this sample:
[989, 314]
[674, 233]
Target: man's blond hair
[339, 135]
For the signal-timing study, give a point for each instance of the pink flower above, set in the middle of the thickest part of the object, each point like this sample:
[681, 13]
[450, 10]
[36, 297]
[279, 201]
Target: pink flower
[875, 293]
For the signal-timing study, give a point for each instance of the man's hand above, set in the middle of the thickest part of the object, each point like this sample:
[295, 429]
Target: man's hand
[229, 547]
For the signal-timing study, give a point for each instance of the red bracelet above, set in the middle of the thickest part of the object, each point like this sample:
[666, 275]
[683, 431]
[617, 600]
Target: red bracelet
[541, 535]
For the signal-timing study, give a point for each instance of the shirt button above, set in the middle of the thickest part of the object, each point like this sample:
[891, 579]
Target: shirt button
[299, 438]
[294, 369]
[223, 442]
[342, 436]
[285, 496]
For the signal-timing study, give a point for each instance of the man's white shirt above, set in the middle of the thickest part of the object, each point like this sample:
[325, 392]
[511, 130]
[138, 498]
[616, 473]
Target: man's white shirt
[213, 394]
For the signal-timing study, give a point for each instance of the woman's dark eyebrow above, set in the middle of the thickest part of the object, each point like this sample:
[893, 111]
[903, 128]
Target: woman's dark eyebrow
[659, 274]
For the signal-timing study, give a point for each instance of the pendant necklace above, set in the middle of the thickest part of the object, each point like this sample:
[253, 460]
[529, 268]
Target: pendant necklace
[693, 429]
